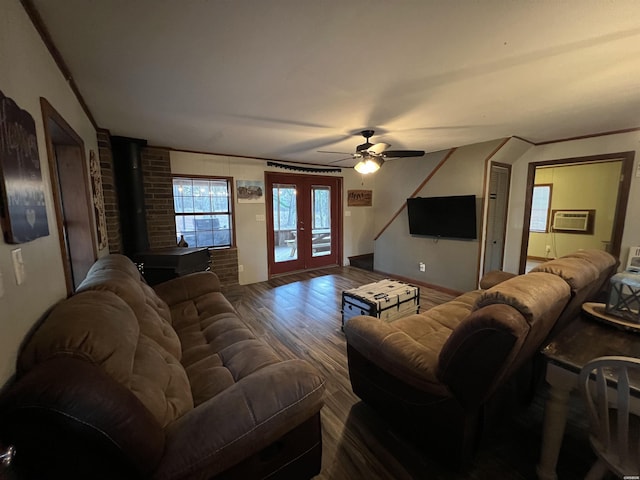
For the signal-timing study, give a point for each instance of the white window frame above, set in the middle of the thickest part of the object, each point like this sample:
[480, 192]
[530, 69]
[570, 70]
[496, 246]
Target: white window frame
[540, 208]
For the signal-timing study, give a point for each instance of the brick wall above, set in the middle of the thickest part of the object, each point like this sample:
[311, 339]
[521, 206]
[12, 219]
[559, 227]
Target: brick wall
[111, 211]
[224, 262]
[158, 191]
[158, 194]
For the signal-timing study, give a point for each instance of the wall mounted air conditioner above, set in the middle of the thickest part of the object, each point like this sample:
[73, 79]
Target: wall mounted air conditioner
[573, 221]
[633, 262]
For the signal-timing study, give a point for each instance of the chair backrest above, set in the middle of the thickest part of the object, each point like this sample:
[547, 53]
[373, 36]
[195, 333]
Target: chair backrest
[610, 386]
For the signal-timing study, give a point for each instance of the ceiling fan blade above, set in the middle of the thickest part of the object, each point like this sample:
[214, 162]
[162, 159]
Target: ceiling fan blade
[329, 151]
[378, 148]
[403, 153]
[341, 160]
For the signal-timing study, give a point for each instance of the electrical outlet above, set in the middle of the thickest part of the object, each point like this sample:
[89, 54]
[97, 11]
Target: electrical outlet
[548, 249]
[422, 266]
[240, 268]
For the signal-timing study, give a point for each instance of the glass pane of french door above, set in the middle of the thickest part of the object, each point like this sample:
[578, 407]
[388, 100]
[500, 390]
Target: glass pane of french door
[321, 220]
[285, 222]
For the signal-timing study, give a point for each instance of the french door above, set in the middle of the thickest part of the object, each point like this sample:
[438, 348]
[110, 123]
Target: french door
[303, 221]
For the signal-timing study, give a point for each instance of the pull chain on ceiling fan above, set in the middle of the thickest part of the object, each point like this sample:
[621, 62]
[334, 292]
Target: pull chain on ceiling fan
[371, 156]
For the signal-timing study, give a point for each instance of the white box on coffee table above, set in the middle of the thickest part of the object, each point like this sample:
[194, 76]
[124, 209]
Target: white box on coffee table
[386, 299]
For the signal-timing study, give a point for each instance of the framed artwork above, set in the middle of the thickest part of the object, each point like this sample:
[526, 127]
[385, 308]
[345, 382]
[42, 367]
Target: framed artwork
[22, 206]
[359, 198]
[250, 191]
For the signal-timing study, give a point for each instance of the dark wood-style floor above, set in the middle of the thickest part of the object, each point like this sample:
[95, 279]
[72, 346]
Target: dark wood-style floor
[299, 315]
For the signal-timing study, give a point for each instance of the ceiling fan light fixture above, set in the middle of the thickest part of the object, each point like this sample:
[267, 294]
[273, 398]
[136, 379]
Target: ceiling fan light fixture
[369, 165]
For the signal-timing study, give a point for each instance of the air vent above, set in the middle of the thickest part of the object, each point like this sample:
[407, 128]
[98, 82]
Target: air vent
[572, 221]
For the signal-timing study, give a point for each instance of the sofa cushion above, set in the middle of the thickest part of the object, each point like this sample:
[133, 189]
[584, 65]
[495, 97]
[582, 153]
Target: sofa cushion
[530, 294]
[577, 272]
[117, 274]
[218, 348]
[105, 336]
[602, 260]
[242, 420]
[110, 336]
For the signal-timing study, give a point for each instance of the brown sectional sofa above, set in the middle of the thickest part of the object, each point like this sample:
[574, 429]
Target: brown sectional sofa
[440, 375]
[125, 381]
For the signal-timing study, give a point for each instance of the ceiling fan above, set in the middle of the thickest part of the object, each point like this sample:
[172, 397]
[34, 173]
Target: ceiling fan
[371, 156]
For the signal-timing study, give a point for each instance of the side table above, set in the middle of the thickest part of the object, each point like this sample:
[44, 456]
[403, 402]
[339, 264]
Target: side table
[581, 341]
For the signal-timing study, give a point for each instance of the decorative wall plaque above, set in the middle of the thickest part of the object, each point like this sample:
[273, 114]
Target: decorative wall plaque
[22, 206]
[359, 198]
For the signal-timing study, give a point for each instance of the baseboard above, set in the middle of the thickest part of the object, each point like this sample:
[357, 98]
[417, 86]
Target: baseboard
[412, 281]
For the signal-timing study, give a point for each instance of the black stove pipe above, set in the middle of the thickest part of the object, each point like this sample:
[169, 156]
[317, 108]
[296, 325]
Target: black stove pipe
[127, 169]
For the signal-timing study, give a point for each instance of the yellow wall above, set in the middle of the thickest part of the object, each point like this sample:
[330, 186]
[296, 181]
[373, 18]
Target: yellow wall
[578, 187]
[598, 145]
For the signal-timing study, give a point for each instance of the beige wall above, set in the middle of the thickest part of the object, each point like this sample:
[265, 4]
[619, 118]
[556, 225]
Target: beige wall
[450, 263]
[28, 72]
[251, 227]
[578, 187]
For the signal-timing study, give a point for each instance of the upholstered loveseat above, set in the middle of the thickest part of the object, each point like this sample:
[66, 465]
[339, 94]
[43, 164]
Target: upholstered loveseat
[125, 381]
[440, 375]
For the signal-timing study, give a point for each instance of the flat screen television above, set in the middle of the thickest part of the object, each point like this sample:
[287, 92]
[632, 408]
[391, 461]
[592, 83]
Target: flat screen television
[446, 217]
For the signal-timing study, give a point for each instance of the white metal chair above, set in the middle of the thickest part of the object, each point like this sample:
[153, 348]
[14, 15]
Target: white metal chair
[608, 384]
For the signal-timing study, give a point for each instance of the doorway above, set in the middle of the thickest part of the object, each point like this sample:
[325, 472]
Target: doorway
[499, 180]
[303, 222]
[71, 195]
[609, 239]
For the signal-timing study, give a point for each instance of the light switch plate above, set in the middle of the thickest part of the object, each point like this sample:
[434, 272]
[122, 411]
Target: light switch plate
[260, 218]
[18, 266]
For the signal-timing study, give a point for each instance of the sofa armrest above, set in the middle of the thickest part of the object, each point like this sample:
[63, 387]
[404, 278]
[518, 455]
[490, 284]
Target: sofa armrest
[481, 352]
[395, 351]
[68, 419]
[241, 420]
[187, 287]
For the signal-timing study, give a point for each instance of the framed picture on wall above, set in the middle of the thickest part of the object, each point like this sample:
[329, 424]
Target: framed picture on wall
[250, 191]
[22, 206]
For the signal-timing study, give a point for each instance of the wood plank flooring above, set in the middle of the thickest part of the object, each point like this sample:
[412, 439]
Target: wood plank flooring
[299, 316]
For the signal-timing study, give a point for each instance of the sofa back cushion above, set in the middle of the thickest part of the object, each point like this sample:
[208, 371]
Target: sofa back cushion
[508, 324]
[118, 274]
[537, 296]
[116, 321]
[586, 271]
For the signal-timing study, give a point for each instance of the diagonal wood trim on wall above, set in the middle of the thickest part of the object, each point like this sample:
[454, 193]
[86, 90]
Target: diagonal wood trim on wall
[420, 187]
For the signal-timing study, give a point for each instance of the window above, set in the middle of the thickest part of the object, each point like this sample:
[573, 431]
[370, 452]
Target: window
[540, 206]
[203, 211]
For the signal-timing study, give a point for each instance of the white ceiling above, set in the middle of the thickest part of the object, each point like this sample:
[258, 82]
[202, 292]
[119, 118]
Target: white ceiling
[282, 79]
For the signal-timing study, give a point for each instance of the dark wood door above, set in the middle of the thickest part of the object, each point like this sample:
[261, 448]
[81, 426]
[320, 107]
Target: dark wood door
[71, 194]
[303, 221]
